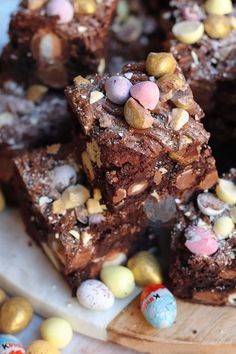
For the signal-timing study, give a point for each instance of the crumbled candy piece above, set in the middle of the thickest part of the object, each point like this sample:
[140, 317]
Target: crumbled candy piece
[201, 241]
[210, 205]
[41, 347]
[75, 196]
[137, 116]
[217, 26]
[62, 176]
[95, 96]
[190, 15]
[85, 7]
[36, 92]
[158, 306]
[219, 7]
[223, 226]
[159, 64]
[226, 191]
[188, 32]
[118, 89]
[95, 295]
[145, 268]
[11, 344]
[93, 206]
[146, 93]
[15, 315]
[61, 8]
[119, 280]
[180, 117]
[57, 332]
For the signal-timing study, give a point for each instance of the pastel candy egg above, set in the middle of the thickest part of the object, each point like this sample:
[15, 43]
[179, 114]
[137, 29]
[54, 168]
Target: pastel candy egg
[119, 280]
[118, 89]
[158, 306]
[95, 295]
[209, 204]
[57, 332]
[201, 241]
[62, 177]
[226, 191]
[223, 226]
[10, 345]
[41, 347]
[146, 93]
[61, 8]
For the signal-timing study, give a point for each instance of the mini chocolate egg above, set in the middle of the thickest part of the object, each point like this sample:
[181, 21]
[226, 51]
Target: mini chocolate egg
[145, 268]
[95, 295]
[146, 93]
[62, 176]
[41, 347]
[56, 331]
[15, 315]
[61, 8]
[210, 205]
[118, 89]
[158, 306]
[201, 241]
[10, 345]
[119, 280]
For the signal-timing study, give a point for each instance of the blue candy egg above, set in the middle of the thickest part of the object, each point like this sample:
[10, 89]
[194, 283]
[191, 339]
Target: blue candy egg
[158, 306]
[10, 345]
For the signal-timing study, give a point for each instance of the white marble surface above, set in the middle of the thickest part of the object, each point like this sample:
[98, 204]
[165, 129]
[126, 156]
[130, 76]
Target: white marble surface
[80, 344]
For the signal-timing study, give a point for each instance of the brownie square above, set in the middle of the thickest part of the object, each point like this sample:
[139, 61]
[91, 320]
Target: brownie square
[209, 66]
[203, 263]
[69, 220]
[53, 49]
[128, 163]
[29, 118]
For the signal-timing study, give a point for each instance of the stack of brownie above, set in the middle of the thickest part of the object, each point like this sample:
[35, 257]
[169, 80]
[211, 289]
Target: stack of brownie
[132, 143]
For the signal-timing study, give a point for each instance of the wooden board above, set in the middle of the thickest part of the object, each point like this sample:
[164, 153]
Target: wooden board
[26, 271]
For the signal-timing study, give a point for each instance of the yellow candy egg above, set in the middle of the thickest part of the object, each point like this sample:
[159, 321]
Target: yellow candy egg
[15, 315]
[57, 332]
[119, 280]
[223, 226]
[226, 191]
[219, 7]
[3, 296]
[41, 347]
[188, 32]
[217, 26]
[145, 268]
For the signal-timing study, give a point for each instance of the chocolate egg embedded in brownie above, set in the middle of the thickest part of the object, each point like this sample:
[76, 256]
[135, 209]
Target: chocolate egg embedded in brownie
[29, 118]
[69, 220]
[51, 41]
[141, 132]
[203, 266]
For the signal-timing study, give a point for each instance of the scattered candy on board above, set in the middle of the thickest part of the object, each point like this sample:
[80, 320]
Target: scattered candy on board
[15, 315]
[95, 295]
[119, 280]
[10, 345]
[145, 268]
[56, 331]
[158, 306]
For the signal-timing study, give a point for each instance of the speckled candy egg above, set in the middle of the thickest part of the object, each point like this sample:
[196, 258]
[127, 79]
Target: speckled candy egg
[118, 89]
[146, 93]
[158, 306]
[10, 345]
[95, 295]
[62, 176]
[61, 8]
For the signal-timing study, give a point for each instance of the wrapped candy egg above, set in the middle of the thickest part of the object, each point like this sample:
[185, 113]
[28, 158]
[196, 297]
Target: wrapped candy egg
[10, 345]
[158, 306]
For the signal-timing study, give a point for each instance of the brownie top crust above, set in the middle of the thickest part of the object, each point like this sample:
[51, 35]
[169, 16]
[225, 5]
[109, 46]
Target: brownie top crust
[150, 132]
[204, 237]
[211, 55]
[31, 117]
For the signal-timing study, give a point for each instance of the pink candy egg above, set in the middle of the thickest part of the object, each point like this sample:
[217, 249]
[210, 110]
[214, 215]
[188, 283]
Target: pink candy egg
[61, 8]
[146, 93]
[201, 241]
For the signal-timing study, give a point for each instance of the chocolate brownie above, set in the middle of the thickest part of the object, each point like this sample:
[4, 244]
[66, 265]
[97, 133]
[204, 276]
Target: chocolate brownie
[130, 151]
[209, 63]
[135, 27]
[69, 220]
[28, 119]
[52, 40]
[203, 263]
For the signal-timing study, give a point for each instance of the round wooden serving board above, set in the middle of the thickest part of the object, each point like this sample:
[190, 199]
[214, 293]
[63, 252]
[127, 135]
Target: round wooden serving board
[24, 270]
